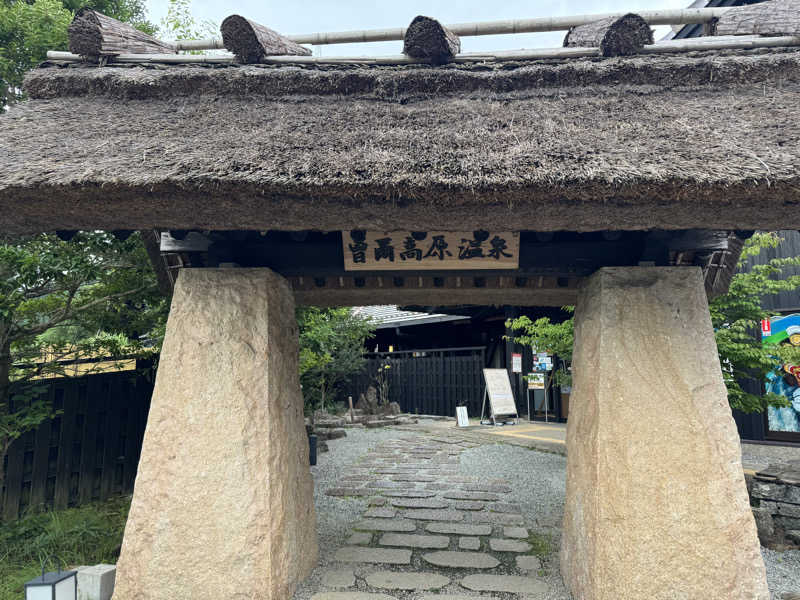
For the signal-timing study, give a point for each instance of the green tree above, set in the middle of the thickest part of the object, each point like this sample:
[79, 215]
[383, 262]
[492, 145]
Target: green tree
[92, 296]
[331, 350]
[735, 316]
[28, 29]
[180, 24]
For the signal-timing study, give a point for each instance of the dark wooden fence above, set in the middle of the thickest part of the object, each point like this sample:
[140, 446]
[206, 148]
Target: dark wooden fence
[89, 452]
[431, 382]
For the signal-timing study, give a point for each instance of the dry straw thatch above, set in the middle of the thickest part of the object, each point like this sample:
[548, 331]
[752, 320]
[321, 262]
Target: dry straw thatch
[615, 36]
[706, 140]
[427, 39]
[94, 34]
[251, 42]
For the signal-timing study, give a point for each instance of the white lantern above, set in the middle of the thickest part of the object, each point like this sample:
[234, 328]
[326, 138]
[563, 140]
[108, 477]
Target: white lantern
[62, 585]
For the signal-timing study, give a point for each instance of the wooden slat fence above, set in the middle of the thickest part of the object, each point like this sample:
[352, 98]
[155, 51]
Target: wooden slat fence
[431, 382]
[89, 452]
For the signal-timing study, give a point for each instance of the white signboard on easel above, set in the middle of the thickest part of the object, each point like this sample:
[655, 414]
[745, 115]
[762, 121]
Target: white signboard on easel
[498, 391]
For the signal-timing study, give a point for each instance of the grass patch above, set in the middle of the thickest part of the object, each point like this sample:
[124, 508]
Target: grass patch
[87, 535]
[541, 544]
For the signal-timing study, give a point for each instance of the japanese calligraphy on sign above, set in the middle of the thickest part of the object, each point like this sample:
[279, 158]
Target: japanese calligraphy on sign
[429, 250]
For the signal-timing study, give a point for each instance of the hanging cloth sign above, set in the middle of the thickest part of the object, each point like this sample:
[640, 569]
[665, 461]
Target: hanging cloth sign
[498, 391]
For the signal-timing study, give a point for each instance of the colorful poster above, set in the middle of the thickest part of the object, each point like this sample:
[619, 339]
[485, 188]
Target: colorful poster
[785, 379]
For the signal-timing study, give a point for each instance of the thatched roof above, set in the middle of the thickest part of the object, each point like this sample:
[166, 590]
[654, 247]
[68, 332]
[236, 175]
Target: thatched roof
[701, 140]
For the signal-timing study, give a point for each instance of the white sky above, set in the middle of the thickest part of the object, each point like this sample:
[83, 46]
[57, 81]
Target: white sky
[309, 16]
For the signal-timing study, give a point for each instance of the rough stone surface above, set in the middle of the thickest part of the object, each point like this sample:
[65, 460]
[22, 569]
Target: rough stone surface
[506, 583]
[515, 532]
[528, 563]
[96, 583]
[464, 495]
[468, 505]
[223, 499]
[461, 560]
[341, 578]
[459, 528]
[418, 503]
[393, 580]
[635, 496]
[385, 525]
[380, 512]
[503, 545]
[391, 556]
[469, 543]
[414, 541]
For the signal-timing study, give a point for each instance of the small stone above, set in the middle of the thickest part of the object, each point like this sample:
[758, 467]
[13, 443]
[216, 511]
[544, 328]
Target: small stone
[528, 563]
[393, 580]
[385, 525]
[502, 545]
[425, 514]
[350, 596]
[342, 578]
[468, 505]
[515, 532]
[462, 495]
[380, 512]
[459, 529]
[469, 543]
[504, 583]
[360, 538]
[418, 503]
[376, 501]
[461, 560]
[387, 484]
[390, 556]
[414, 541]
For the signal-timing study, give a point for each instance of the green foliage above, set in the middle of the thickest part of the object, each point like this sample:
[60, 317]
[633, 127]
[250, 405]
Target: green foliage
[87, 535]
[542, 335]
[736, 317]
[180, 24]
[94, 296]
[28, 29]
[27, 32]
[331, 350]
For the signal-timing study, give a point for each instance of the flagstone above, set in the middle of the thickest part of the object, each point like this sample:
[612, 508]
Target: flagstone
[464, 495]
[504, 583]
[496, 518]
[409, 493]
[461, 560]
[425, 514]
[528, 563]
[459, 528]
[469, 543]
[468, 505]
[393, 556]
[394, 580]
[385, 525]
[360, 538]
[414, 541]
[348, 492]
[503, 545]
[418, 502]
[340, 578]
[515, 532]
[380, 512]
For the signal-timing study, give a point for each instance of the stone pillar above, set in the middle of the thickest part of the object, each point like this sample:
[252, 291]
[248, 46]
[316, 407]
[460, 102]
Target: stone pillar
[656, 503]
[223, 505]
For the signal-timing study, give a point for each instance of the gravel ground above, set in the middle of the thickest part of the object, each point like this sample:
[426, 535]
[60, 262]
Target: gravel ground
[539, 487]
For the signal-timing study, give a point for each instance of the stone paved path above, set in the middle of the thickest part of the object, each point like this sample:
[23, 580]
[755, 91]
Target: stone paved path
[429, 533]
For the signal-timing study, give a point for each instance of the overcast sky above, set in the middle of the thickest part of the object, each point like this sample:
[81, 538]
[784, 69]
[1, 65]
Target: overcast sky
[309, 16]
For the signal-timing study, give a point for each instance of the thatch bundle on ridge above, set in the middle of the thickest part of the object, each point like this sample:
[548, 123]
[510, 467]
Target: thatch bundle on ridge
[427, 39]
[93, 34]
[778, 17]
[615, 36]
[251, 42]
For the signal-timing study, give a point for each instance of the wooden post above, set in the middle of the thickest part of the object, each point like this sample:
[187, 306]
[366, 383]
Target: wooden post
[615, 36]
[352, 413]
[251, 42]
[93, 34]
[777, 17]
[427, 39]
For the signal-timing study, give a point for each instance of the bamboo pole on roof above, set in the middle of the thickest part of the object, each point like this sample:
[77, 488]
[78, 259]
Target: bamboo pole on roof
[684, 16]
[689, 45]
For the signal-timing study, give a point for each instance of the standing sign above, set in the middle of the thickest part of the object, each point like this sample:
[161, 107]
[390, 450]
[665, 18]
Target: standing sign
[461, 415]
[501, 398]
[516, 363]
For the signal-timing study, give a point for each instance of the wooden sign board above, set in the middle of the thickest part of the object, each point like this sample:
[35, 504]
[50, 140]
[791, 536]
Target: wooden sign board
[498, 389]
[429, 250]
